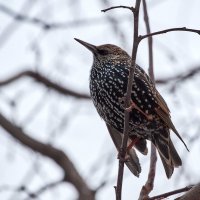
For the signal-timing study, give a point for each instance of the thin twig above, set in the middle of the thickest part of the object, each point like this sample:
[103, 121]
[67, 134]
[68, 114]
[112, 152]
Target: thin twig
[13, 26]
[114, 7]
[47, 187]
[169, 30]
[180, 77]
[150, 41]
[192, 194]
[20, 189]
[165, 195]
[148, 187]
[114, 24]
[174, 81]
[50, 26]
[122, 152]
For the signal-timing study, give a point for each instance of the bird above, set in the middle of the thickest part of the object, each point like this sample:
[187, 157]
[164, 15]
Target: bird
[149, 114]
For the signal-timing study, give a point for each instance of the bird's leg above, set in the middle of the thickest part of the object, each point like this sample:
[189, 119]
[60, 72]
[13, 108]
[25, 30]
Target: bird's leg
[134, 106]
[129, 147]
[132, 143]
[125, 159]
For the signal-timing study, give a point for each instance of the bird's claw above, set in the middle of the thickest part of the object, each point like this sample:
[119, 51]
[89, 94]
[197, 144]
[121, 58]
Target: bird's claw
[134, 106]
[124, 159]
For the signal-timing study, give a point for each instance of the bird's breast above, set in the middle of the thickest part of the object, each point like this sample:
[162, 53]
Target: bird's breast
[106, 89]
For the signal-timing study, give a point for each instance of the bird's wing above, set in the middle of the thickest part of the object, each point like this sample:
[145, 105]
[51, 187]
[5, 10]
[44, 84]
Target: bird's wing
[132, 162]
[157, 100]
[164, 113]
[160, 106]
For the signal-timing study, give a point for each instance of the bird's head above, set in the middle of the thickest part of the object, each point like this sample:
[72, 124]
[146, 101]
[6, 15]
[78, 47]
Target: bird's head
[106, 52]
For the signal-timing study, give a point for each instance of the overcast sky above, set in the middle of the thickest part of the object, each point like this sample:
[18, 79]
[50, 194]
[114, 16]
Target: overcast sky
[81, 133]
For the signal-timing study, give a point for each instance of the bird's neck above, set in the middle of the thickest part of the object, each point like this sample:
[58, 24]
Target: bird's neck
[114, 61]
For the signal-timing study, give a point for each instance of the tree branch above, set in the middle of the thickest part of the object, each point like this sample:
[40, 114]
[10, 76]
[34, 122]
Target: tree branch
[122, 152]
[20, 189]
[47, 187]
[12, 27]
[148, 187]
[165, 195]
[114, 7]
[150, 41]
[58, 156]
[22, 17]
[169, 30]
[192, 194]
[52, 25]
[180, 77]
[45, 81]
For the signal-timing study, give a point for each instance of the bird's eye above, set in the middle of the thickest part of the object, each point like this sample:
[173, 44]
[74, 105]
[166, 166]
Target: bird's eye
[103, 52]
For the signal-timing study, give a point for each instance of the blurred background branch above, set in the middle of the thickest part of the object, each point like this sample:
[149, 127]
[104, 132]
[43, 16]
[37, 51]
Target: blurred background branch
[45, 81]
[58, 156]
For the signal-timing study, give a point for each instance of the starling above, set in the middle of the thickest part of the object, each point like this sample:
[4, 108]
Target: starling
[149, 114]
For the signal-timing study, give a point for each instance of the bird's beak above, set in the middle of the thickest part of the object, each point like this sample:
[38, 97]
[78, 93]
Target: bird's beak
[91, 47]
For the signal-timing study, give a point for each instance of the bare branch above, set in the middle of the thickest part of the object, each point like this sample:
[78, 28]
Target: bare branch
[122, 152]
[115, 25]
[165, 195]
[21, 189]
[45, 81]
[148, 187]
[12, 27]
[22, 17]
[192, 194]
[53, 25]
[47, 187]
[180, 77]
[58, 156]
[114, 7]
[150, 41]
[169, 30]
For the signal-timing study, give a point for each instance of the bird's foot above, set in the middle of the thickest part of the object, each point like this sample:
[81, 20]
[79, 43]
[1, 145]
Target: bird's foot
[124, 159]
[134, 106]
[132, 143]
[129, 147]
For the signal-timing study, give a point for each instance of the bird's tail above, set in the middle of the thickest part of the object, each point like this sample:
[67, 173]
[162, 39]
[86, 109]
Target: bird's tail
[132, 161]
[167, 152]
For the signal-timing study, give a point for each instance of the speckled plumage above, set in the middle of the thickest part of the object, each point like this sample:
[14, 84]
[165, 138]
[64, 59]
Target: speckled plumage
[108, 84]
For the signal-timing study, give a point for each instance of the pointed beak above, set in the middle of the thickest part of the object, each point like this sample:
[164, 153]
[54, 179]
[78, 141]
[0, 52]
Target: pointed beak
[90, 47]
